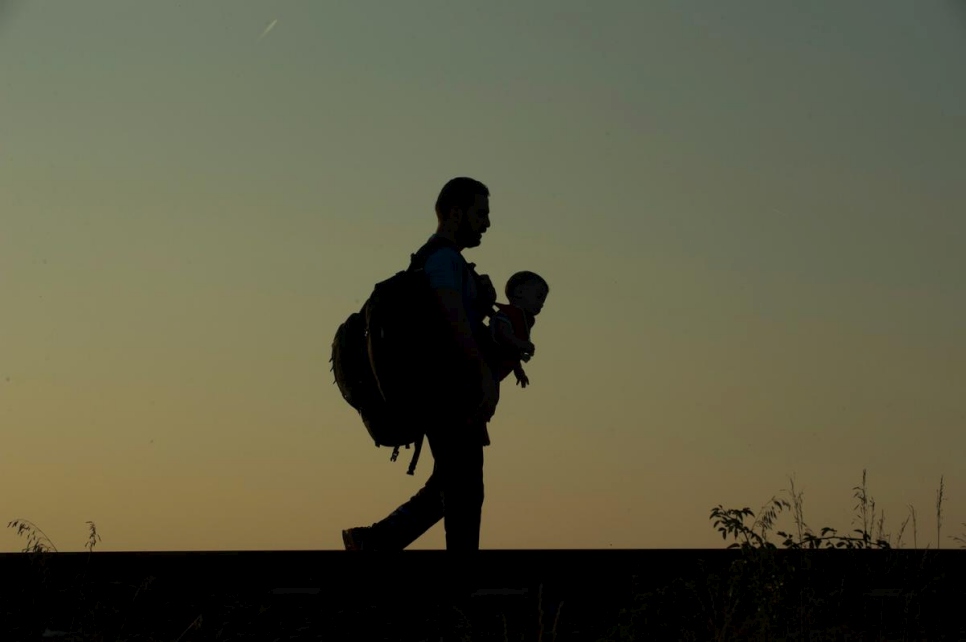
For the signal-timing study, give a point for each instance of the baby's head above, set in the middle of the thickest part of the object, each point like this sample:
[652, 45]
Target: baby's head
[527, 291]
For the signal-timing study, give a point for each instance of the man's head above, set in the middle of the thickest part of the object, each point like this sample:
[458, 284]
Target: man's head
[528, 291]
[463, 211]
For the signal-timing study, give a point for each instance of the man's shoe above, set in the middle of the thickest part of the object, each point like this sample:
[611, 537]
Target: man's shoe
[354, 538]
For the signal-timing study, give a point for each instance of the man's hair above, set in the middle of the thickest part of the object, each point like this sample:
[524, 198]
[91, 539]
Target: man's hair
[523, 278]
[460, 193]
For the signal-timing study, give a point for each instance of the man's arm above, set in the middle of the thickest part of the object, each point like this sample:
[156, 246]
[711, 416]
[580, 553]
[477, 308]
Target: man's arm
[451, 305]
[444, 272]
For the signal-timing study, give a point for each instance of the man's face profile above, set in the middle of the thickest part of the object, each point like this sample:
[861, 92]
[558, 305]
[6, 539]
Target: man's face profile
[474, 222]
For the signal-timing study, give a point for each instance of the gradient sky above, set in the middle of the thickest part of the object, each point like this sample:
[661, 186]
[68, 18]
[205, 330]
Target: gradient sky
[746, 212]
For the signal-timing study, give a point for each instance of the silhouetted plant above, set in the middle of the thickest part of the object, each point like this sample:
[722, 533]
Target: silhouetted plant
[39, 547]
[764, 595]
[37, 540]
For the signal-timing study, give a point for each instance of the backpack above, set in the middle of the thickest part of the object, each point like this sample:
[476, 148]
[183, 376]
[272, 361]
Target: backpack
[383, 355]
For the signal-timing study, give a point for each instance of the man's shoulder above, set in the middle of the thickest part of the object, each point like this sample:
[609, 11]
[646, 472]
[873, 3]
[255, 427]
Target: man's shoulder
[443, 264]
[436, 246]
[440, 254]
[444, 253]
[443, 259]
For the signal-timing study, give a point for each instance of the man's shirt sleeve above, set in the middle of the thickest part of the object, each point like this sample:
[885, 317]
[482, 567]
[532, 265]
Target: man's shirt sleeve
[444, 270]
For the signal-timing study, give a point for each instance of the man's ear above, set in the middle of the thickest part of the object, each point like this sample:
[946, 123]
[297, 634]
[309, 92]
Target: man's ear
[456, 214]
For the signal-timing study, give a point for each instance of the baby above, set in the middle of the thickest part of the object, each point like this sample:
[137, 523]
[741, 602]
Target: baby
[511, 324]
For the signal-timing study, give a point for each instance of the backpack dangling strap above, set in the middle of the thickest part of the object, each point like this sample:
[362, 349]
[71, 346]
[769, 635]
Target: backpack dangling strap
[412, 464]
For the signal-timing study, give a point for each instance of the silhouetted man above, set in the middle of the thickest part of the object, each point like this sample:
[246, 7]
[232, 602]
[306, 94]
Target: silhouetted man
[466, 393]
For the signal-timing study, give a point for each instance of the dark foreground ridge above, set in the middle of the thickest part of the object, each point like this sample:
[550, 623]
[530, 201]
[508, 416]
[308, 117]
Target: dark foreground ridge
[530, 595]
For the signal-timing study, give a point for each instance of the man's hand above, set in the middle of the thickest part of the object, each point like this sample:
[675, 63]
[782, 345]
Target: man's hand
[487, 292]
[491, 396]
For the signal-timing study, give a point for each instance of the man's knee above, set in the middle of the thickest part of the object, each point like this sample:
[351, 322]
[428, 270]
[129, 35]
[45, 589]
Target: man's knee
[462, 482]
[466, 491]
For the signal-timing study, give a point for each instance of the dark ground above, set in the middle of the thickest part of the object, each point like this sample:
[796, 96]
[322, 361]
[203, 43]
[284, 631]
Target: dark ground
[600, 595]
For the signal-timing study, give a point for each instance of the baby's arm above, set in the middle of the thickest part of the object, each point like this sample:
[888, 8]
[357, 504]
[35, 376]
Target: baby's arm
[521, 376]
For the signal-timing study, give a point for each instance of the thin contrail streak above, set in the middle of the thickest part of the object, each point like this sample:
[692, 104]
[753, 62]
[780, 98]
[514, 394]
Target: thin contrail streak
[270, 26]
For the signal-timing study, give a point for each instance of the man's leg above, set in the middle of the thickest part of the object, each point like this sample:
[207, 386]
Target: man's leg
[411, 520]
[453, 493]
[458, 452]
